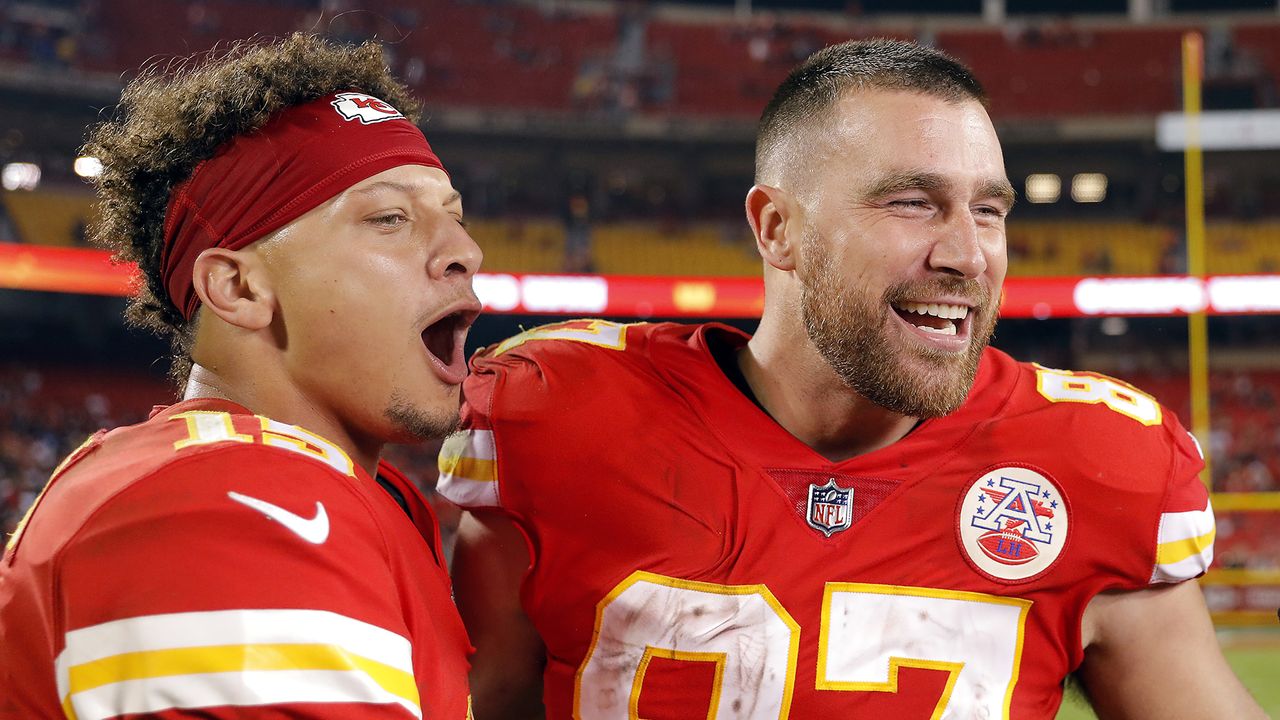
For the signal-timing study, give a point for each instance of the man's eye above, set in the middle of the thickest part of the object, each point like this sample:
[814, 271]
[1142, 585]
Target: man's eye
[465, 225]
[911, 203]
[389, 220]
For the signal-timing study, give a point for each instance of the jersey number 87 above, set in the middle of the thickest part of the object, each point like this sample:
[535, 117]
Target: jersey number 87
[754, 643]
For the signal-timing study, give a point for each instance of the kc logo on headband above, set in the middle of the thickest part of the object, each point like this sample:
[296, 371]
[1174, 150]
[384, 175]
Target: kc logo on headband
[260, 181]
[365, 108]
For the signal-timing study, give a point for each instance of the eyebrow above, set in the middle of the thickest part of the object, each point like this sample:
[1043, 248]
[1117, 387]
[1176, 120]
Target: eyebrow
[918, 180]
[906, 180]
[406, 188]
[999, 189]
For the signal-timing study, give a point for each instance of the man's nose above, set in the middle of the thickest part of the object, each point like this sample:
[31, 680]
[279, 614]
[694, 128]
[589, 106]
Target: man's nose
[958, 249]
[457, 255]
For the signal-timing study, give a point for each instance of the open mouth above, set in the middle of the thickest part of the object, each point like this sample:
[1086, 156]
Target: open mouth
[934, 318]
[444, 340]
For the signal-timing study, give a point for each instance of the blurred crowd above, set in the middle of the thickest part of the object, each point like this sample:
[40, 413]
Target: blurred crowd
[615, 64]
[37, 433]
[1246, 435]
[610, 63]
[42, 421]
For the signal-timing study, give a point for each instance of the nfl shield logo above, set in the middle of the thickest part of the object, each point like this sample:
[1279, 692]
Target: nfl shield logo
[830, 508]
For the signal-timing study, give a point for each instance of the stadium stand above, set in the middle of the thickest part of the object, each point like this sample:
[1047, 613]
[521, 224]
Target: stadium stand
[579, 60]
[520, 246]
[604, 69]
[58, 216]
[543, 56]
[1246, 433]
[1240, 248]
[1058, 69]
[46, 412]
[50, 217]
[704, 249]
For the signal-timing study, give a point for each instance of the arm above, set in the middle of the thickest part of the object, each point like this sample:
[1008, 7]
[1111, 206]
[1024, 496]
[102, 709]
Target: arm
[1152, 654]
[489, 563]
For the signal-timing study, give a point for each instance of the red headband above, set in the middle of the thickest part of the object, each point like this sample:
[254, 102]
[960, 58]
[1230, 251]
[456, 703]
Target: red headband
[259, 182]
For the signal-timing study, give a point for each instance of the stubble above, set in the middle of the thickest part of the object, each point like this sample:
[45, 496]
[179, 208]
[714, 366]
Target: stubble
[851, 330]
[419, 424]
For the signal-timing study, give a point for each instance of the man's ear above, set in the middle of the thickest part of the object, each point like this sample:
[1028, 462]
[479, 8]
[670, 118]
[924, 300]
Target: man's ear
[233, 285]
[776, 222]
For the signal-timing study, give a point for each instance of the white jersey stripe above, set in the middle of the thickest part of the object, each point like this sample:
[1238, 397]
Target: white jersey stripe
[1185, 525]
[467, 493]
[1172, 552]
[468, 469]
[1184, 548]
[475, 444]
[180, 644]
[235, 658]
[239, 689]
[236, 627]
[1187, 569]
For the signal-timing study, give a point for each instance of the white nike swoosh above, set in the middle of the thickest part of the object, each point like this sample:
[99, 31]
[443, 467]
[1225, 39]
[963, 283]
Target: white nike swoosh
[314, 531]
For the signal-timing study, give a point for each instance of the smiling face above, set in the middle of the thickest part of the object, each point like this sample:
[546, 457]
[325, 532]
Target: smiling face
[374, 300]
[903, 250]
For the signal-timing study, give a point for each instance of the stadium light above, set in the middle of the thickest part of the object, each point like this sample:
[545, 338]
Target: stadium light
[1089, 187]
[1260, 293]
[87, 167]
[1043, 188]
[498, 291]
[565, 293]
[1114, 326]
[1152, 295]
[89, 271]
[20, 176]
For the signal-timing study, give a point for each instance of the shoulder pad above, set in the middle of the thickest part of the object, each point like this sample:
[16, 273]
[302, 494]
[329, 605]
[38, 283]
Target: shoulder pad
[574, 334]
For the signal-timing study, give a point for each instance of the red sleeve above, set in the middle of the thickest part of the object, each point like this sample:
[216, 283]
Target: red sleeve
[235, 578]
[468, 460]
[1186, 490]
[527, 381]
[1184, 542]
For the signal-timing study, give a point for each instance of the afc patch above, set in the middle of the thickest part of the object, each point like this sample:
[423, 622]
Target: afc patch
[365, 108]
[1013, 523]
[830, 507]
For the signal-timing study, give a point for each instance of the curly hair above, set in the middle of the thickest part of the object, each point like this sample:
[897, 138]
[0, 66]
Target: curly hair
[175, 115]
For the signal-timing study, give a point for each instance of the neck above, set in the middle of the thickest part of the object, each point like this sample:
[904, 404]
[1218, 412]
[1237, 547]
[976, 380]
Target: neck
[797, 387]
[277, 400]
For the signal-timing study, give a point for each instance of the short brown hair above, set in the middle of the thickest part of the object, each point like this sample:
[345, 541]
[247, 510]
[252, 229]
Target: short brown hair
[814, 86]
[173, 116]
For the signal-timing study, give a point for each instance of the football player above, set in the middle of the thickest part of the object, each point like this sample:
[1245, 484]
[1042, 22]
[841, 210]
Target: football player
[861, 511]
[243, 553]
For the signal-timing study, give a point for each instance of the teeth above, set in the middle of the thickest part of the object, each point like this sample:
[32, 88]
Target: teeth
[946, 330]
[947, 312]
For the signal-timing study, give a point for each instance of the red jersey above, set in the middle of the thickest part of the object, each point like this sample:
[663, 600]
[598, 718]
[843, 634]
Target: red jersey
[214, 562]
[692, 559]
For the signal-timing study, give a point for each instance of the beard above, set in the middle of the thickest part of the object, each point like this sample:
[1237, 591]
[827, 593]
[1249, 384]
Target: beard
[415, 424]
[850, 329]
